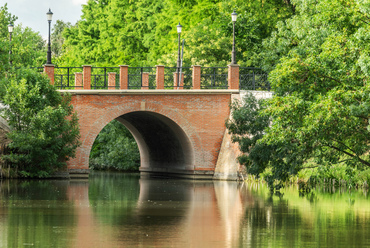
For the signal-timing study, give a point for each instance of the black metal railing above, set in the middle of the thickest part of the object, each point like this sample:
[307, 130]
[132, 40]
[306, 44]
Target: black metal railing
[186, 75]
[100, 78]
[169, 73]
[64, 77]
[214, 78]
[251, 78]
[135, 77]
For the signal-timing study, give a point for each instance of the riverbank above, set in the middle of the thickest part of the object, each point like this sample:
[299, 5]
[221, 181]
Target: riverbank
[338, 176]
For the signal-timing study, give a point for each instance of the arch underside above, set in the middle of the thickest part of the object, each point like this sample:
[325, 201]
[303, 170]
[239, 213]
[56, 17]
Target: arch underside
[164, 147]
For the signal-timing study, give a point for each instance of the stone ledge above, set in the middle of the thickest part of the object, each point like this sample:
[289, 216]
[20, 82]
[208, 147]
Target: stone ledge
[79, 173]
[150, 92]
[151, 174]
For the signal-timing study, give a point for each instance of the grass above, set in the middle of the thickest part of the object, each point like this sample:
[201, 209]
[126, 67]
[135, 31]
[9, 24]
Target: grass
[339, 175]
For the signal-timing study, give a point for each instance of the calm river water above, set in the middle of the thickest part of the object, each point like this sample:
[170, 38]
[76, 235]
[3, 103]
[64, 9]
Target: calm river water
[123, 210]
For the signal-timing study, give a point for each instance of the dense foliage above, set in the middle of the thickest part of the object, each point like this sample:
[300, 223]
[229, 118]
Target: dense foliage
[319, 62]
[57, 39]
[247, 127]
[143, 32]
[45, 129]
[5, 19]
[28, 47]
[115, 149]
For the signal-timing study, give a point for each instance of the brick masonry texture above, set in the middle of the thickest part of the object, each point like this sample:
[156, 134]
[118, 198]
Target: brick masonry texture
[87, 77]
[49, 71]
[200, 118]
[233, 76]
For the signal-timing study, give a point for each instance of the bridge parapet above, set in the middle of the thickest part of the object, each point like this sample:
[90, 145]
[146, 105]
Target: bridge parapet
[159, 77]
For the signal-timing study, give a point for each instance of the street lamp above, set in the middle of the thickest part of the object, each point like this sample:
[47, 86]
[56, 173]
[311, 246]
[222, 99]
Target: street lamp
[233, 18]
[49, 16]
[179, 27]
[10, 29]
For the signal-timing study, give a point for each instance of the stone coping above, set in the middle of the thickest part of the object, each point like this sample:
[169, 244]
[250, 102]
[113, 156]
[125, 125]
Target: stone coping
[149, 92]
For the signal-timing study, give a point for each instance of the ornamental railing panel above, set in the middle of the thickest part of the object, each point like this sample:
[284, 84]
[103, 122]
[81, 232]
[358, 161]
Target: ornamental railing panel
[214, 78]
[251, 78]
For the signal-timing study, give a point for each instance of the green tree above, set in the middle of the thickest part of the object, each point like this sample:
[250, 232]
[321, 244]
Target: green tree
[143, 33]
[27, 46]
[209, 38]
[45, 129]
[247, 127]
[57, 39]
[319, 62]
[5, 19]
[115, 148]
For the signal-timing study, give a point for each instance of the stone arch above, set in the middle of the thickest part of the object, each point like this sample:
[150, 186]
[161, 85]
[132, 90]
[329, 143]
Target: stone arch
[195, 125]
[165, 145]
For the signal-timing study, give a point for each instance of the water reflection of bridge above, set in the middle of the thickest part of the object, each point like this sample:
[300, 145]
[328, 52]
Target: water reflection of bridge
[165, 214]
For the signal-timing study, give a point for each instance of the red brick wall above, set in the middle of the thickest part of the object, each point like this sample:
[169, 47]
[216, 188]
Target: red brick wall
[233, 77]
[201, 117]
[196, 77]
[123, 77]
[160, 77]
[87, 77]
[78, 80]
[49, 71]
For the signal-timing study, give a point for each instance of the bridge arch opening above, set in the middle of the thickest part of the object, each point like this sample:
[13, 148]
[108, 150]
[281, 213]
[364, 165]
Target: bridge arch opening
[164, 147]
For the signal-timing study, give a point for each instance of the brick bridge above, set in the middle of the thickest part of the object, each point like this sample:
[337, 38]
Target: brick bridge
[179, 131]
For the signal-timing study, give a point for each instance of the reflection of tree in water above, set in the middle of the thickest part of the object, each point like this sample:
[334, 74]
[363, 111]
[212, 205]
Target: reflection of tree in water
[113, 196]
[137, 210]
[34, 213]
[122, 199]
[34, 189]
[163, 201]
[292, 220]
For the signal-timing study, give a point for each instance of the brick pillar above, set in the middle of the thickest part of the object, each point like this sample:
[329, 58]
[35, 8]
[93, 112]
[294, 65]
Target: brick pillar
[196, 77]
[78, 80]
[123, 77]
[111, 80]
[159, 78]
[49, 71]
[233, 77]
[145, 81]
[86, 77]
[181, 86]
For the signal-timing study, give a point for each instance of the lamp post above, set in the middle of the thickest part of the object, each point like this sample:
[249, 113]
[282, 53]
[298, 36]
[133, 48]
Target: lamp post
[49, 16]
[179, 27]
[10, 29]
[233, 18]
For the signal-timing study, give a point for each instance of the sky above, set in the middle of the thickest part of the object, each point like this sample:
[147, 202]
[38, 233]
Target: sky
[32, 13]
